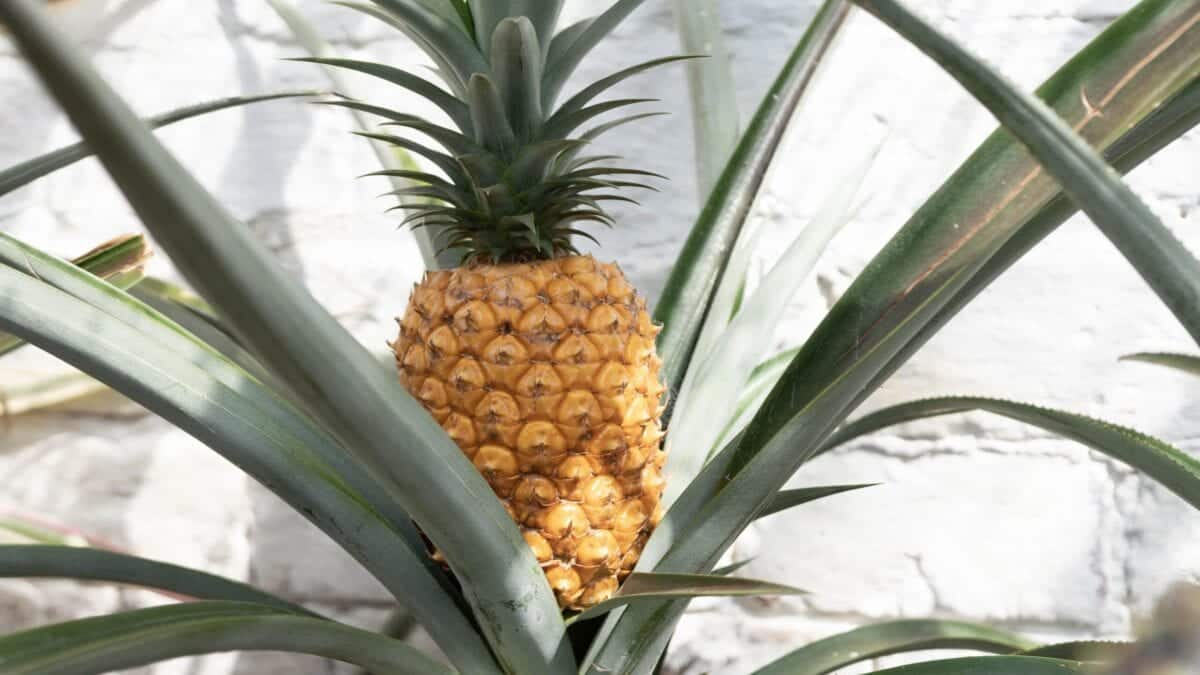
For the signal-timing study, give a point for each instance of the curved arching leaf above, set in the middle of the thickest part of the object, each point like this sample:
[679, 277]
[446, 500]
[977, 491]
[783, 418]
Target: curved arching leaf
[439, 36]
[141, 354]
[642, 586]
[144, 636]
[1148, 135]
[786, 499]
[1171, 467]
[992, 665]
[30, 170]
[1093, 651]
[91, 564]
[455, 109]
[893, 637]
[120, 262]
[1159, 257]
[567, 49]
[1186, 363]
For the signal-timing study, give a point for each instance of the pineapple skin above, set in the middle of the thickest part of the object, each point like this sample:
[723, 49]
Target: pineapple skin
[546, 376]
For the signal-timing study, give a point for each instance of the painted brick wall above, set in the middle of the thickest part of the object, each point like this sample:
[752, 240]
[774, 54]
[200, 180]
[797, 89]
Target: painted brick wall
[976, 517]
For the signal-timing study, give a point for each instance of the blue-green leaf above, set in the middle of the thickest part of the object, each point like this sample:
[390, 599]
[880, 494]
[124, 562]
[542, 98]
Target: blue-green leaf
[716, 123]
[127, 345]
[1186, 363]
[1173, 468]
[120, 262]
[893, 637]
[91, 564]
[30, 170]
[992, 665]
[786, 499]
[699, 268]
[642, 586]
[567, 49]
[144, 636]
[1162, 260]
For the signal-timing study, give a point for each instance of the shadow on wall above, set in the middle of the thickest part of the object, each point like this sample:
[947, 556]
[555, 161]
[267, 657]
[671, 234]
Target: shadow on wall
[256, 162]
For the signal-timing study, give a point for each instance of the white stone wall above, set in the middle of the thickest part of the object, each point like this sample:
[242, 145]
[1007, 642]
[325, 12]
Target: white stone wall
[976, 518]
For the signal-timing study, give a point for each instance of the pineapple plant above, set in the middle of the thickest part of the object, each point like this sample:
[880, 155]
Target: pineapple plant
[523, 433]
[538, 361]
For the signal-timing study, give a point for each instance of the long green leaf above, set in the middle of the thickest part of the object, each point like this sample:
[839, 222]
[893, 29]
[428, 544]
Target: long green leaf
[321, 52]
[30, 170]
[716, 125]
[444, 69]
[1182, 362]
[197, 317]
[730, 293]
[894, 637]
[786, 499]
[568, 48]
[642, 586]
[132, 348]
[1147, 136]
[140, 637]
[762, 381]
[1171, 467]
[732, 567]
[992, 665]
[204, 327]
[1084, 650]
[455, 109]
[168, 291]
[1162, 260]
[119, 262]
[71, 562]
[708, 399]
[698, 269]
[438, 36]
[341, 384]
[885, 314]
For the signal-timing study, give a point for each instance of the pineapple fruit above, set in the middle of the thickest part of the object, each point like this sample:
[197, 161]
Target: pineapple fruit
[545, 375]
[538, 361]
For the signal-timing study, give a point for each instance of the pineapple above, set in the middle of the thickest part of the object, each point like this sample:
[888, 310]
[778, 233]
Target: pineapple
[538, 361]
[545, 374]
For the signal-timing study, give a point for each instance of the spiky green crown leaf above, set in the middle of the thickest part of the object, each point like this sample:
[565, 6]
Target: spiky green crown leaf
[516, 179]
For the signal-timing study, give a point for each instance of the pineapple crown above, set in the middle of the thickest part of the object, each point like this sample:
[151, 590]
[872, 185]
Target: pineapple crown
[516, 176]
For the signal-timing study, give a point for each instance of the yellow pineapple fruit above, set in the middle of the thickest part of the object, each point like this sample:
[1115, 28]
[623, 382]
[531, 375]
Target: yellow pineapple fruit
[545, 375]
[538, 361]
